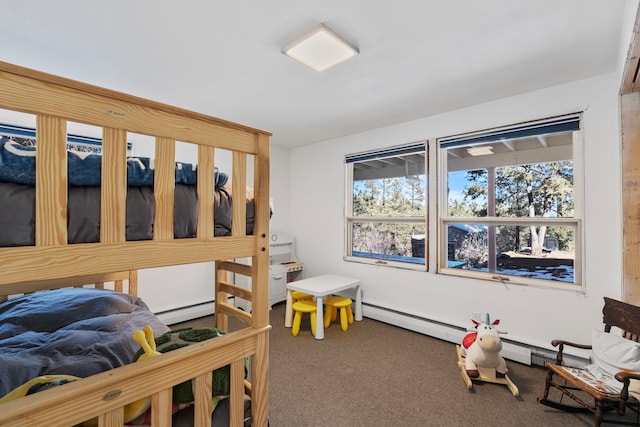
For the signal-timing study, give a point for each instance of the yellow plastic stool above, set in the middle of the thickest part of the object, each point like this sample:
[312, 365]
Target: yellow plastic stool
[346, 315]
[299, 296]
[303, 306]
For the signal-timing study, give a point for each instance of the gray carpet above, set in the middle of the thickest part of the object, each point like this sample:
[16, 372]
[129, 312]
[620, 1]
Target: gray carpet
[376, 374]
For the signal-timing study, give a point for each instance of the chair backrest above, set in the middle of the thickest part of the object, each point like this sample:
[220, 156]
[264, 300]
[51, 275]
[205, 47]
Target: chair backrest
[622, 315]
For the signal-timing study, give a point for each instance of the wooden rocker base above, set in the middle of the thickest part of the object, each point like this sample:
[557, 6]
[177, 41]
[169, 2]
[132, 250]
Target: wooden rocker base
[486, 375]
[563, 407]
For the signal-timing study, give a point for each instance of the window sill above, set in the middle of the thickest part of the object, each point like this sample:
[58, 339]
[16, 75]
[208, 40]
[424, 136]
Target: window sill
[406, 263]
[511, 280]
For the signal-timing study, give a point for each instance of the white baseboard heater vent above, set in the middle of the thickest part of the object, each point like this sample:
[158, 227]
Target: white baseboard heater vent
[511, 350]
[184, 314]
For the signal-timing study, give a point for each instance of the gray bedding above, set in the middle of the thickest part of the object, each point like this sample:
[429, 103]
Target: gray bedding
[17, 213]
[70, 331]
[17, 198]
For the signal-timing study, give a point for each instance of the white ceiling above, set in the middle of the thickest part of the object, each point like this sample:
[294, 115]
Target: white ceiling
[417, 57]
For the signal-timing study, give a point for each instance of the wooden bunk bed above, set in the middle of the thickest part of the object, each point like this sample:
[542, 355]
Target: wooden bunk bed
[53, 263]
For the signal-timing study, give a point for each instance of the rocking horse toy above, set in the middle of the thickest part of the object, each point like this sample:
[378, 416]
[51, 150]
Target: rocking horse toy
[479, 356]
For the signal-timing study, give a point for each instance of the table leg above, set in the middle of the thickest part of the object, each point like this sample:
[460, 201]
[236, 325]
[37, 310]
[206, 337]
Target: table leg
[288, 312]
[358, 303]
[319, 319]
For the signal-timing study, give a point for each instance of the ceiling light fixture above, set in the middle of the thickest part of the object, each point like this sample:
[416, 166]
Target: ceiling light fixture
[480, 151]
[320, 49]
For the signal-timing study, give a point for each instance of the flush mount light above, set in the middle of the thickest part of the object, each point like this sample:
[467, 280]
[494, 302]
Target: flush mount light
[480, 151]
[320, 49]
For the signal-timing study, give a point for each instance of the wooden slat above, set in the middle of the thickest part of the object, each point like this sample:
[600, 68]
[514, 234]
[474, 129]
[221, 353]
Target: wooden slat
[113, 194]
[50, 79]
[203, 405]
[164, 189]
[236, 410]
[260, 271]
[206, 173]
[237, 291]
[92, 258]
[161, 408]
[220, 298]
[235, 267]
[133, 282]
[631, 81]
[107, 108]
[46, 284]
[260, 281]
[51, 181]
[236, 313]
[238, 194]
[112, 418]
[118, 286]
[260, 381]
[630, 120]
[631, 73]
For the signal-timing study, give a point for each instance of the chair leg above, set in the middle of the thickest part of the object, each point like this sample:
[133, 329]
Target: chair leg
[598, 414]
[334, 313]
[313, 323]
[343, 319]
[295, 328]
[350, 315]
[547, 385]
[327, 317]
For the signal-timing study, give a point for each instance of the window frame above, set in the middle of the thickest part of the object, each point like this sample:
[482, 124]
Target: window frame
[350, 218]
[576, 222]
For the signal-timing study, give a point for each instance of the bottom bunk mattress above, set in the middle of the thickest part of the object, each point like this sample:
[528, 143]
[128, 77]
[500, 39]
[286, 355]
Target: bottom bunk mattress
[53, 337]
[70, 331]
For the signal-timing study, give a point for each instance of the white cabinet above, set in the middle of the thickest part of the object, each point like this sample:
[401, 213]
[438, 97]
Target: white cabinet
[277, 284]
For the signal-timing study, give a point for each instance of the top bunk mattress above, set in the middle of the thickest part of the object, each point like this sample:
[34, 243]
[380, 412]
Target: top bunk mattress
[17, 198]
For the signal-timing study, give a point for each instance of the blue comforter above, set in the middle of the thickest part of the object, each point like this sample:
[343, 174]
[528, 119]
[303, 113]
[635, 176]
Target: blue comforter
[71, 331]
[18, 166]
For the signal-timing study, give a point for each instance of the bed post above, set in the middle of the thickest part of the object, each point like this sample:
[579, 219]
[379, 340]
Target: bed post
[260, 361]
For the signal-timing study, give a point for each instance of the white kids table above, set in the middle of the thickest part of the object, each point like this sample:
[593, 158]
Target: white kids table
[319, 287]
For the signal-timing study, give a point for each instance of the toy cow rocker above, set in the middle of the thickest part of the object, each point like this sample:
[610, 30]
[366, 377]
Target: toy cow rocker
[479, 355]
[482, 348]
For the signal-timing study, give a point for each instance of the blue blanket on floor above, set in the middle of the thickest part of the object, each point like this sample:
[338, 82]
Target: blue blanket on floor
[18, 166]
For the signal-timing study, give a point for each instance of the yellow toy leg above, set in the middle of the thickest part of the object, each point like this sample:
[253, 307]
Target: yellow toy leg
[327, 317]
[344, 322]
[295, 328]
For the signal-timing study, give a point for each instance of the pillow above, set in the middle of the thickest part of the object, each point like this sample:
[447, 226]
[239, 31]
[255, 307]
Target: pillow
[613, 353]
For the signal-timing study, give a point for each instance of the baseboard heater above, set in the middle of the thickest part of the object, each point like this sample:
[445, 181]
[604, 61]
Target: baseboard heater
[511, 350]
[186, 313]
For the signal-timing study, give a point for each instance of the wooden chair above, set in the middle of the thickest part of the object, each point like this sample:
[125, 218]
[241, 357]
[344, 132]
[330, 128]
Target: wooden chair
[579, 385]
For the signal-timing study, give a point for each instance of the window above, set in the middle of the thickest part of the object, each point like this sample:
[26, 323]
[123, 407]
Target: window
[510, 203]
[386, 206]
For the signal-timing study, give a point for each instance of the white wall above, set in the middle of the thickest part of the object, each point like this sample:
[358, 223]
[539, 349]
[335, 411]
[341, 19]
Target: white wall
[532, 315]
[279, 188]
